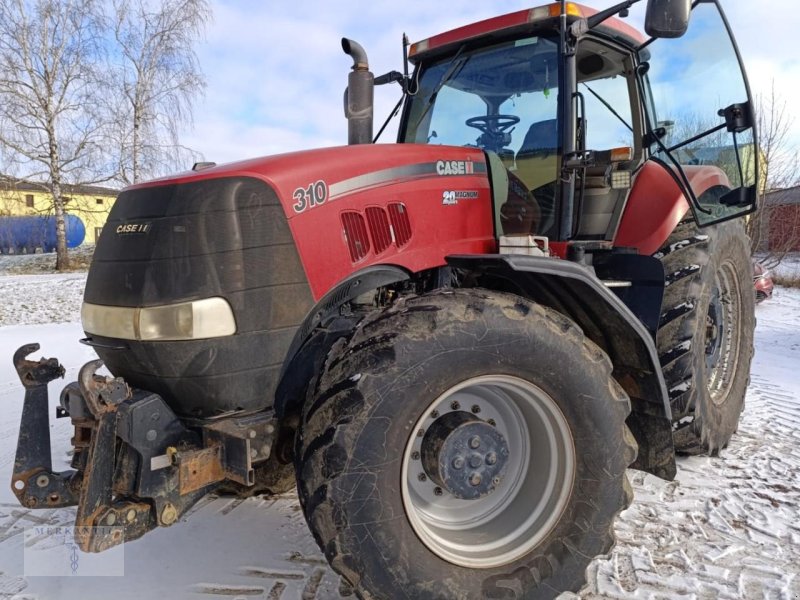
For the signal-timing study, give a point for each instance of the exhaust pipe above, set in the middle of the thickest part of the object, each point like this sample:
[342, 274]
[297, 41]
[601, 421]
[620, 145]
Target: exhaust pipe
[359, 95]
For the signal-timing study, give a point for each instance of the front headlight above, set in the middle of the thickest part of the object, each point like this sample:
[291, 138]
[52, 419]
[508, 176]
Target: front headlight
[208, 318]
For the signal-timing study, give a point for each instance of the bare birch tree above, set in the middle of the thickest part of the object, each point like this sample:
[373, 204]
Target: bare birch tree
[778, 172]
[48, 88]
[156, 71]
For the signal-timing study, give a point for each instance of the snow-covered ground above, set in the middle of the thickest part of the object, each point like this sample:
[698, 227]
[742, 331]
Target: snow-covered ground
[728, 527]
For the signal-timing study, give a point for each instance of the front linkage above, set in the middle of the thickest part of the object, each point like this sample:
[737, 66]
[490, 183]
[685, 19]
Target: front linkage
[136, 465]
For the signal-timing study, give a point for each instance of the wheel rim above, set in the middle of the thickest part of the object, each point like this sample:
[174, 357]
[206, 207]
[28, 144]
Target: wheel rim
[525, 504]
[723, 332]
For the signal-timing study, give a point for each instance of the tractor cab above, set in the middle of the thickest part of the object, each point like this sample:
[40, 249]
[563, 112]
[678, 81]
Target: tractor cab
[570, 123]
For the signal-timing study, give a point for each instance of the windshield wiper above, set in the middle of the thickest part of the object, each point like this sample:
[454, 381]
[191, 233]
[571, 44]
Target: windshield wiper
[452, 70]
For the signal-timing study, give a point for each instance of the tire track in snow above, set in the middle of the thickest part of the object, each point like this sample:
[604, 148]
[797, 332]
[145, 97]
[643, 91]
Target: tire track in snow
[737, 537]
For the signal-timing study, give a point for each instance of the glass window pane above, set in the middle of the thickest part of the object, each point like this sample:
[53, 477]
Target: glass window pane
[693, 79]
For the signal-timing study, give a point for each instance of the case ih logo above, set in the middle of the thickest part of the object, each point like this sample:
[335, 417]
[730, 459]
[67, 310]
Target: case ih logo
[133, 228]
[455, 167]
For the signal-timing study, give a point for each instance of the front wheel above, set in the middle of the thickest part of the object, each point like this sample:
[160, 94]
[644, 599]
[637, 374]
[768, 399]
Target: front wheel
[464, 444]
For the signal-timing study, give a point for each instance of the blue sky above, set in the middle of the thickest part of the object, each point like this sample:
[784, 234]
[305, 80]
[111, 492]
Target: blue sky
[276, 71]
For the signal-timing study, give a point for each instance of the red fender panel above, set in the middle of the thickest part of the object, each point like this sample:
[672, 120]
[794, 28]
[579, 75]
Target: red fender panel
[656, 204]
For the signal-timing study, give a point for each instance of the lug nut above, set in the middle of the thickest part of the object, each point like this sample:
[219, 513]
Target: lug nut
[475, 461]
[475, 442]
[415, 455]
[455, 405]
[474, 480]
[421, 432]
[491, 458]
[422, 477]
[458, 463]
[476, 409]
[437, 491]
[492, 422]
[435, 414]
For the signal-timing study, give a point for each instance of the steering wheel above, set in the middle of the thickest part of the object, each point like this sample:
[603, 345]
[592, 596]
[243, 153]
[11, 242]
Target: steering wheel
[492, 124]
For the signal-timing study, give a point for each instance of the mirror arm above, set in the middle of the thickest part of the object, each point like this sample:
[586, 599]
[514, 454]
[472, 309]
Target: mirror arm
[696, 137]
[390, 77]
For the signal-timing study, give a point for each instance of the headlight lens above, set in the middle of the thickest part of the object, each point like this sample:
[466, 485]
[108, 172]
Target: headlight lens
[208, 318]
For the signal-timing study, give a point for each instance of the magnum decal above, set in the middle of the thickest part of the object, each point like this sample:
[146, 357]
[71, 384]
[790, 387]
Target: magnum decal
[451, 197]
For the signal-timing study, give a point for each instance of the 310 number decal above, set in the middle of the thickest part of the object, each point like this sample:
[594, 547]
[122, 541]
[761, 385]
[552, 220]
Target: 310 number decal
[311, 196]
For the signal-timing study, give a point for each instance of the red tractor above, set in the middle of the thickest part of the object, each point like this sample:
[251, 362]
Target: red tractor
[455, 345]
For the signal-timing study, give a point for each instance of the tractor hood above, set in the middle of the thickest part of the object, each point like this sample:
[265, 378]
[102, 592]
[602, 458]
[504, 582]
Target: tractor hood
[325, 195]
[341, 171]
[199, 281]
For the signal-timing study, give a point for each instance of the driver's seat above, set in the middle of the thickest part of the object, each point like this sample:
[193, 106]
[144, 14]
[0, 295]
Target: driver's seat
[541, 139]
[537, 157]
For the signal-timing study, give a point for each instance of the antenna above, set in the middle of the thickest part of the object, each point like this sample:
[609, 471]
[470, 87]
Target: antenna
[405, 63]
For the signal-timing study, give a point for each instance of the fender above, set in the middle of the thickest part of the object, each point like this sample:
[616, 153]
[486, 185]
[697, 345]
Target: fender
[577, 293]
[657, 204]
[295, 375]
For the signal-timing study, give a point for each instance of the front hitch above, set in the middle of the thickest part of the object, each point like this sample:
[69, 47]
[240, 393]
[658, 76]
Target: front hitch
[33, 481]
[137, 466]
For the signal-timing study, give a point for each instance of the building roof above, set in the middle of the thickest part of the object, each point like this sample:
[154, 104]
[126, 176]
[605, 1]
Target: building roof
[12, 184]
[783, 197]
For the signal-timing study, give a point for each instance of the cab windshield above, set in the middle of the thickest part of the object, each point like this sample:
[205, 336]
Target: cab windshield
[502, 99]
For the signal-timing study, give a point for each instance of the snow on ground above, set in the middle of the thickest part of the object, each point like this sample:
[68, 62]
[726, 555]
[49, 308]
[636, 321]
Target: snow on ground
[36, 299]
[727, 527]
[789, 267]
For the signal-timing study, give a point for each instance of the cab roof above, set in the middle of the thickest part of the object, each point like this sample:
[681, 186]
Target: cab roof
[521, 20]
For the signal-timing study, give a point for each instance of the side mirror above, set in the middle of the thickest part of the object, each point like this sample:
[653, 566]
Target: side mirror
[667, 18]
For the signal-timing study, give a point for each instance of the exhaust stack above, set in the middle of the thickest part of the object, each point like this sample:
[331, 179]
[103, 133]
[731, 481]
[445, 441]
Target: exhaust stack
[359, 95]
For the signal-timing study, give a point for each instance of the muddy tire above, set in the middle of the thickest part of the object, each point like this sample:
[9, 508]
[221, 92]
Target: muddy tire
[488, 384]
[705, 338]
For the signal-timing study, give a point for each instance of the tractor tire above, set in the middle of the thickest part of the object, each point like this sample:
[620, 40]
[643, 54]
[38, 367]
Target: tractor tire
[705, 337]
[464, 444]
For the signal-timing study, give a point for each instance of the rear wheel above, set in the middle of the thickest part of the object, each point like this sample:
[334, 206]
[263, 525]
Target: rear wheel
[705, 339]
[443, 453]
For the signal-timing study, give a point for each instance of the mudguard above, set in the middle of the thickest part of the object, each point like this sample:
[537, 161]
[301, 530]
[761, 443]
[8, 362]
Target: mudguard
[657, 204]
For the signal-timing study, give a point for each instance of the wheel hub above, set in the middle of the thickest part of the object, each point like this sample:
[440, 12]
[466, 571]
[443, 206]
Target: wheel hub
[464, 455]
